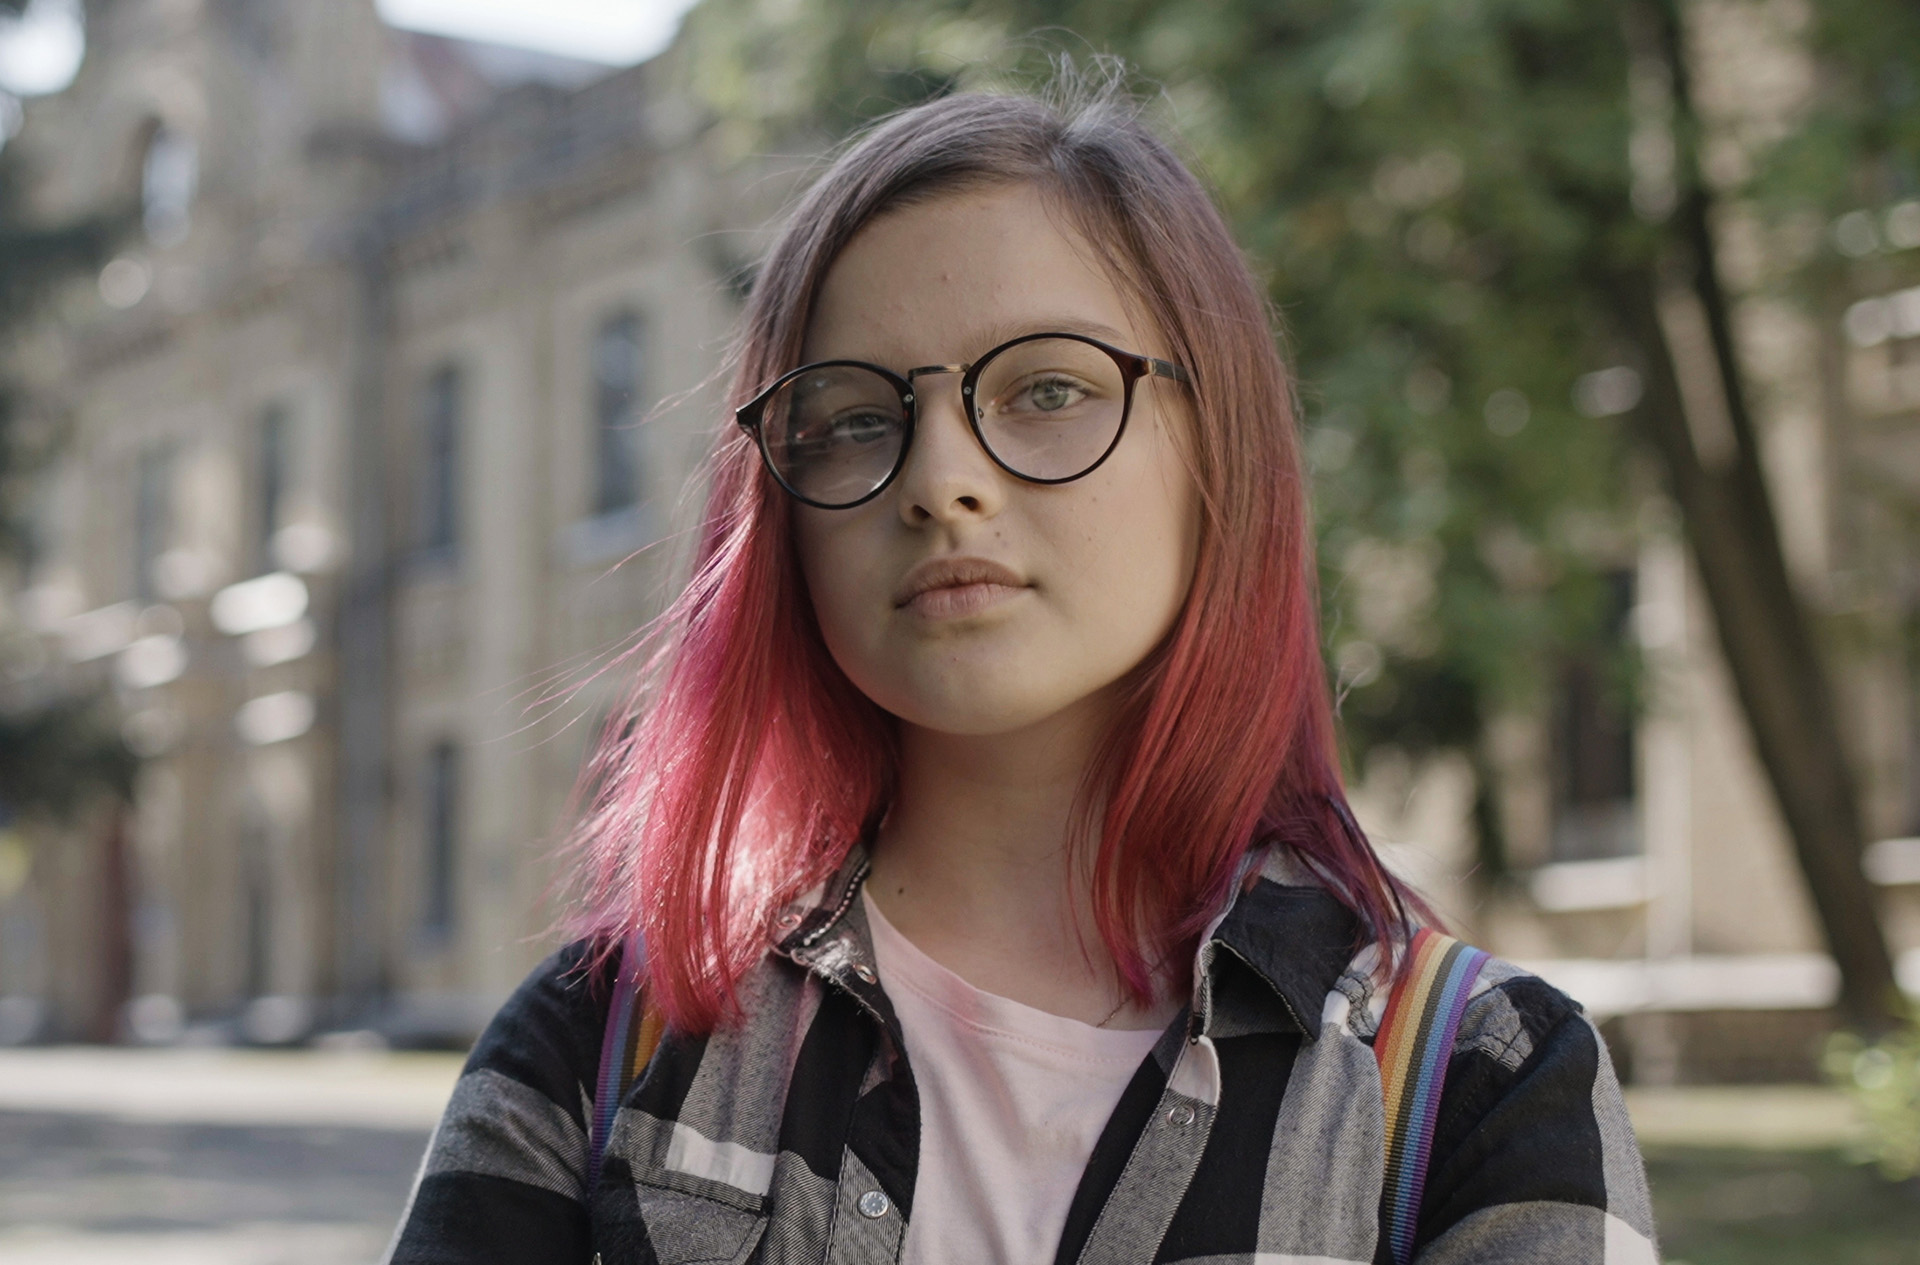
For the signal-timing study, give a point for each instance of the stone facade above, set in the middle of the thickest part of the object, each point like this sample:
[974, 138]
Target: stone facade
[384, 427]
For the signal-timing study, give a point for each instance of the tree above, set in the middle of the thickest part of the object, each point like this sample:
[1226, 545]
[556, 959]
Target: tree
[1764, 632]
[51, 748]
[1488, 229]
[57, 750]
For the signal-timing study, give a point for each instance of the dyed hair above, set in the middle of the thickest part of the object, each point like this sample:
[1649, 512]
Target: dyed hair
[748, 764]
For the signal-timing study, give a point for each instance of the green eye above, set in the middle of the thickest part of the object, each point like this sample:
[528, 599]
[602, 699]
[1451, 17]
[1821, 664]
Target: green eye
[1049, 394]
[1052, 394]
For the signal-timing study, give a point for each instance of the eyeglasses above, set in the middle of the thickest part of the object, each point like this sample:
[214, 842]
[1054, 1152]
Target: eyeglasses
[1048, 408]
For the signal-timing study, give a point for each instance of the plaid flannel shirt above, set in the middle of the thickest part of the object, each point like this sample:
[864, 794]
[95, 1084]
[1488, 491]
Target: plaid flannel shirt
[1252, 1134]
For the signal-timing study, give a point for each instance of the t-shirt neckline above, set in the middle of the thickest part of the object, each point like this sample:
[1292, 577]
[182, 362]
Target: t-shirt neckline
[904, 964]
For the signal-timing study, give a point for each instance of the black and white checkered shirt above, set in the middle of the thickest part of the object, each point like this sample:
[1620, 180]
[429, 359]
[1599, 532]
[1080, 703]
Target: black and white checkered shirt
[1252, 1134]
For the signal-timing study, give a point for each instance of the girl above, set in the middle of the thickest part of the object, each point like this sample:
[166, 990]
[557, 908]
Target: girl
[975, 882]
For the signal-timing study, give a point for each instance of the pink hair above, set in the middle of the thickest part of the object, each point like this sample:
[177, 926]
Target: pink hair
[748, 765]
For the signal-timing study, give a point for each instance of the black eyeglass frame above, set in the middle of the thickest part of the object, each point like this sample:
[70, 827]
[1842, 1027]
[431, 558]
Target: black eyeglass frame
[1133, 367]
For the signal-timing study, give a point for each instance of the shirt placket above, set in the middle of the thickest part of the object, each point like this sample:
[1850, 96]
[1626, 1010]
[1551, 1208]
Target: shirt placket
[1161, 1167]
[1134, 1219]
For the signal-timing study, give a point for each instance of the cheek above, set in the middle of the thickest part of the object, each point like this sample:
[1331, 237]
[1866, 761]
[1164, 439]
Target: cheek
[814, 543]
[839, 572]
[1154, 521]
[1129, 555]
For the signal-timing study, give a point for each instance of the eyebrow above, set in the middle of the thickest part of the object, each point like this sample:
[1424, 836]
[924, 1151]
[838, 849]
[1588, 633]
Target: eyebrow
[995, 335]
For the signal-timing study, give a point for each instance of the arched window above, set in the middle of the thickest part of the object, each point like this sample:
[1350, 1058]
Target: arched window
[618, 373]
[169, 176]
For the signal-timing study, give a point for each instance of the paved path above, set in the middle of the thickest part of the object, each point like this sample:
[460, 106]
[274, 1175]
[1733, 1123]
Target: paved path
[234, 1157]
[219, 1086]
[211, 1157]
[80, 1189]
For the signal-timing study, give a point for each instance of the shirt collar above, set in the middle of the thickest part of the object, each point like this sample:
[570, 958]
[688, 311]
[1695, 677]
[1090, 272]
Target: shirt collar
[806, 922]
[1295, 936]
[1282, 924]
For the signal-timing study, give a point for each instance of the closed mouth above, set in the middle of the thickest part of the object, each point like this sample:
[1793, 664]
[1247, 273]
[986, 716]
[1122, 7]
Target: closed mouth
[954, 573]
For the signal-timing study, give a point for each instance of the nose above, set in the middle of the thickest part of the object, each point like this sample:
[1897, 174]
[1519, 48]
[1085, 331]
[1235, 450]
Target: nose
[948, 477]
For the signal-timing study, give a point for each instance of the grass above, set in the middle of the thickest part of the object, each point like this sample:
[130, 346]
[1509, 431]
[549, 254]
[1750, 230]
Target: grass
[1728, 1206]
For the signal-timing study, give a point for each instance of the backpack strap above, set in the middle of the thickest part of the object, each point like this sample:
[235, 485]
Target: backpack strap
[1413, 1045]
[631, 1036]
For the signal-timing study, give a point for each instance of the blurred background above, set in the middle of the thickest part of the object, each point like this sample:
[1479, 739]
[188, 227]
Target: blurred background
[356, 362]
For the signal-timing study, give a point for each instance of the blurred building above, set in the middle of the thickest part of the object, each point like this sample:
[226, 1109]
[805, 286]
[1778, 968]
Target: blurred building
[355, 445]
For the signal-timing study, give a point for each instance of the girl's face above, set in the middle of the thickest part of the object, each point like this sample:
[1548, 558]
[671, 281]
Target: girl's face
[1042, 597]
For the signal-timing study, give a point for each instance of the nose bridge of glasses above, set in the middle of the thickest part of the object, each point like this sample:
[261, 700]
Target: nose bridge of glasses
[931, 455]
[914, 375]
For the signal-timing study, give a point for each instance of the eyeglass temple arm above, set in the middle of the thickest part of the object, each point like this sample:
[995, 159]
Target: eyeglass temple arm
[1167, 369]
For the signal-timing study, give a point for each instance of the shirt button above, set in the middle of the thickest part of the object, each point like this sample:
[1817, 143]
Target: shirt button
[867, 976]
[1179, 1115]
[874, 1204]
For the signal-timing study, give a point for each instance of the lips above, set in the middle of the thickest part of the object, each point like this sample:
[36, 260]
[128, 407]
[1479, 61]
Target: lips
[955, 586]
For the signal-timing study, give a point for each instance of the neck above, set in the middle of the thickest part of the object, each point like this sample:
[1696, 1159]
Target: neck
[987, 818]
[973, 865]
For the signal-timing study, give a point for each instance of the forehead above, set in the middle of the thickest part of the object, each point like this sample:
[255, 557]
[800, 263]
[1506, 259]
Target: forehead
[944, 280]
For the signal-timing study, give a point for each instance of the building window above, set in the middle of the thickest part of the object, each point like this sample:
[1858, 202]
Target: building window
[441, 793]
[276, 478]
[1593, 744]
[169, 176]
[256, 909]
[439, 500]
[152, 516]
[617, 372]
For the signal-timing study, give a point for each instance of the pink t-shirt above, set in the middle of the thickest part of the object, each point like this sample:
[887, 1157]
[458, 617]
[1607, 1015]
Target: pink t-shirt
[1012, 1100]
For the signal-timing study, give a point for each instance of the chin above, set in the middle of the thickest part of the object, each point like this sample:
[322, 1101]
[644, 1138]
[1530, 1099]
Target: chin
[976, 689]
[972, 717]
[983, 706]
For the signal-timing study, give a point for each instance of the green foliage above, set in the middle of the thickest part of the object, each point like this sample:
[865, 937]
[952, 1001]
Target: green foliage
[1860, 143]
[54, 754]
[36, 256]
[54, 751]
[1882, 1077]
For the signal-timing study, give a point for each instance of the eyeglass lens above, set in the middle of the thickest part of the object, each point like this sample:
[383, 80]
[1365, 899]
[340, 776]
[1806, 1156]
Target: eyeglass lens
[834, 433]
[1048, 409]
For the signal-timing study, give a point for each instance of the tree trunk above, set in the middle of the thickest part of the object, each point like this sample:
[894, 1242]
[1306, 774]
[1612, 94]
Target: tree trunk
[1696, 417]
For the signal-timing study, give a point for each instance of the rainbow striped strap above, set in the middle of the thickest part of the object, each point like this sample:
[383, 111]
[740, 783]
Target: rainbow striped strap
[1413, 1045]
[631, 1036]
